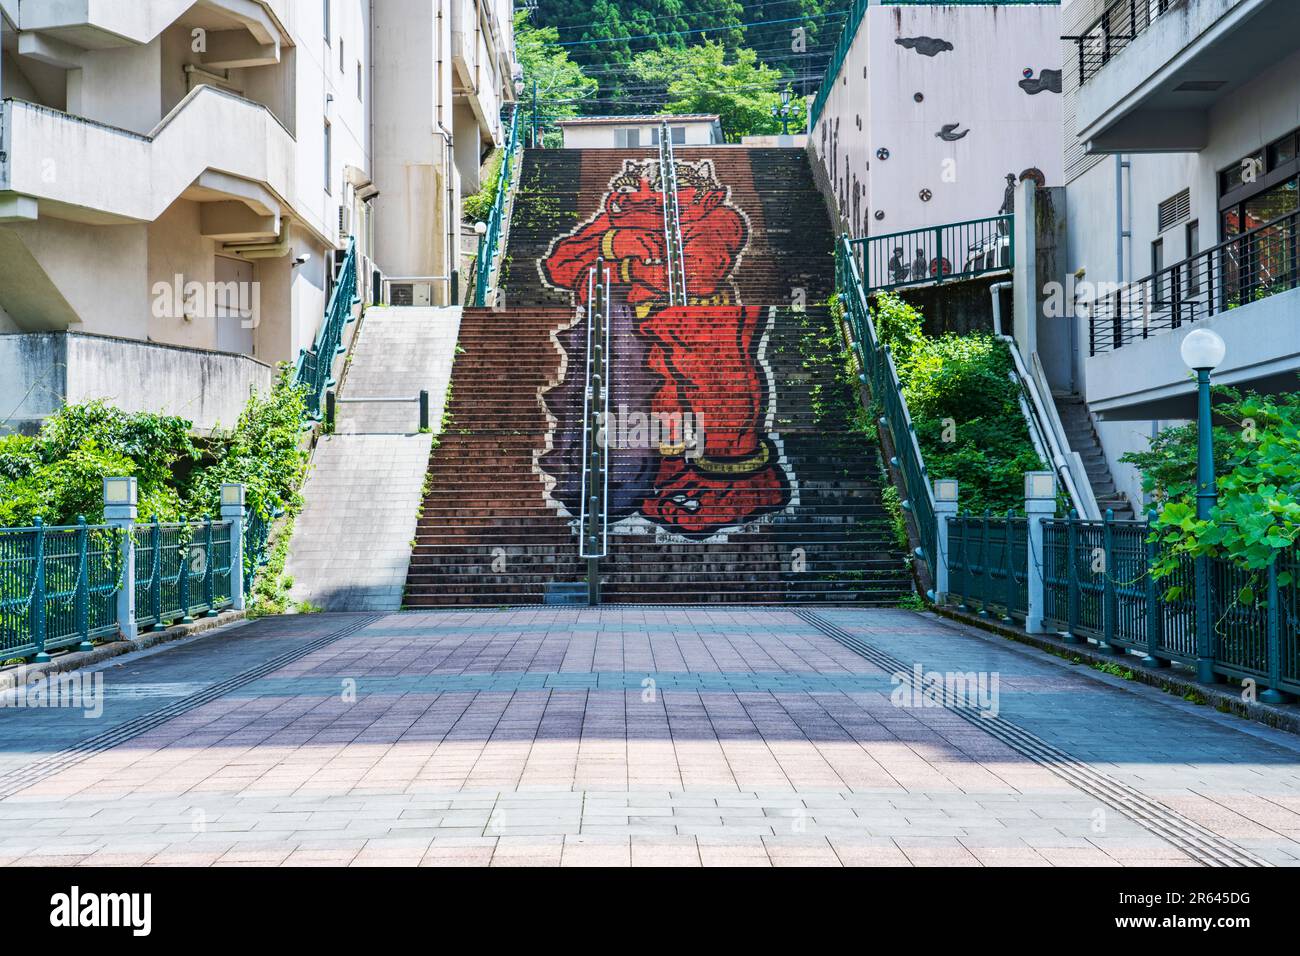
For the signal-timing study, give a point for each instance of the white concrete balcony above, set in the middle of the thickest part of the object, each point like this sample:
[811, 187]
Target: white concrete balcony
[214, 147]
[53, 29]
[480, 62]
[1246, 289]
[1151, 70]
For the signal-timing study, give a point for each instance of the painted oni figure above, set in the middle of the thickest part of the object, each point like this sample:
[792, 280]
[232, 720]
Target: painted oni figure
[697, 365]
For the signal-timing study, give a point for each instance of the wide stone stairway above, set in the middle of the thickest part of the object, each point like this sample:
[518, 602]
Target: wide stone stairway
[742, 466]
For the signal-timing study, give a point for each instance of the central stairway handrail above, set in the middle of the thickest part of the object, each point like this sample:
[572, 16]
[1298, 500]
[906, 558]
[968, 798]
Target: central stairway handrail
[880, 374]
[593, 542]
[675, 257]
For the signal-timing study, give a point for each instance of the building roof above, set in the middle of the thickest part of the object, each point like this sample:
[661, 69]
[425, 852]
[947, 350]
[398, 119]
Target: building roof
[641, 120]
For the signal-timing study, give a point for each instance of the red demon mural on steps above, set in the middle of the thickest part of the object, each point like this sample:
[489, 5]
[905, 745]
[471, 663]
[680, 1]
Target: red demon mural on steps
[702, 363]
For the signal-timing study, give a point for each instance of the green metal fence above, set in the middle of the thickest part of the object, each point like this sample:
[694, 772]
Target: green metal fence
[490, 242]
[988, 563]
[182, 571]
[58, 587]
[315, 366]
[879, 373]
[936, 254]
[1098, 584]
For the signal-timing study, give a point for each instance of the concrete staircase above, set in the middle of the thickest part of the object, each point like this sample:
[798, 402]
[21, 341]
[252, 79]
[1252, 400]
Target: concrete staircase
[1083, 438]
[783, 502]
[352, 541]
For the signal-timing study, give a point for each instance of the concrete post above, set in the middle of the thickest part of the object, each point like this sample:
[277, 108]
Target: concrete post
[120, 496]
[1024, 271]
[945, 505]
[232, 510]
[1040, 503]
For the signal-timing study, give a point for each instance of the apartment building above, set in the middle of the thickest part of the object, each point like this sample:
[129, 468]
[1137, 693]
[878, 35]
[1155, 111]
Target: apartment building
[444, 71]
[178, 178]
[928, 108]
[1182, 150]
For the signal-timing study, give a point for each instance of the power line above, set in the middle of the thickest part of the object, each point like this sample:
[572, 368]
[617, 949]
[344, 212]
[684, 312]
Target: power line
[693, 16]
[656, 36]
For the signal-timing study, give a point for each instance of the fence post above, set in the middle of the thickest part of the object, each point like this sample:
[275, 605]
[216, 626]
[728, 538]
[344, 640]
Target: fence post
[1155, 619]
[1272, 695]
[232, 510]
[1109, 596]
[82, 596]
[120, 513]
[209, 573]
[986, 587]
[1071, 635]
[424, 409]
[184, 557]
[155, 582]
[1009, 550]
[1040, 503]
[38, 595]
[945, 506]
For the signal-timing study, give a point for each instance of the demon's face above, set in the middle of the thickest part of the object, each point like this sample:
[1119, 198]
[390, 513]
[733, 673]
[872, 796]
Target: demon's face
[634, 201]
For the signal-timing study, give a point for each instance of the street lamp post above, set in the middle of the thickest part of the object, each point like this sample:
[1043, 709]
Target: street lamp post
[783, 112]
[1203, 351]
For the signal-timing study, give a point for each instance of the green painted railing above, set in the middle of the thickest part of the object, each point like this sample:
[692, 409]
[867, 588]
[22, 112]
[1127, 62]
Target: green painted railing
[490, 243]
[182, 571]
[880, 375]
[988, 563]
[936, 254]
[1098, 584]
[315, 366]
[854, 21]
[57, 587]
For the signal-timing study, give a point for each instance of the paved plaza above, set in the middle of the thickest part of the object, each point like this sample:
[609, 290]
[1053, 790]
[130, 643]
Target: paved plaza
[634, 736]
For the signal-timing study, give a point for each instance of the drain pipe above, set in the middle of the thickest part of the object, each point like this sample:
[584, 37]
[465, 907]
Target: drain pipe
[1045, 443]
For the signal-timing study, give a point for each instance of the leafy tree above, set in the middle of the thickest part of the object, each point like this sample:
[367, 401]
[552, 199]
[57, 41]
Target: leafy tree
[560, 83]
[1257, 452]
[705, 79]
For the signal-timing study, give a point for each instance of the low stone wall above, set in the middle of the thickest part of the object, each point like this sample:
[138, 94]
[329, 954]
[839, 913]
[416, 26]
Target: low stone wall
[41, 371]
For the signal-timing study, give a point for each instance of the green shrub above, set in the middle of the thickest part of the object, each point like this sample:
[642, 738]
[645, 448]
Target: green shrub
[478, 207]
[965, 407]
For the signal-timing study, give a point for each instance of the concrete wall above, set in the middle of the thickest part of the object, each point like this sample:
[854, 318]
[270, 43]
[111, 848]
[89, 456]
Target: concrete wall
[977, 119]
[48, 369]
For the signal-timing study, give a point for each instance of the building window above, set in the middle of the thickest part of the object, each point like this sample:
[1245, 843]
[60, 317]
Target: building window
[329, 158]
[1157, 266]
[327, 20]
[1193, 247]
[679, 135]
[1174, 210]
[627, 138]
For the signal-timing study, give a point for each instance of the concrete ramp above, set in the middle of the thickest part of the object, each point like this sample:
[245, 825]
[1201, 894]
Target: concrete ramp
[351, 545]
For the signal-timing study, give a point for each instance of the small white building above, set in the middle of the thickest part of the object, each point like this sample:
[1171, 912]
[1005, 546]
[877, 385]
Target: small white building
[634, 132]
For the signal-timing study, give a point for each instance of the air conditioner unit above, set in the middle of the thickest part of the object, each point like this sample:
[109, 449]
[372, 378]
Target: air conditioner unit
[410, 293]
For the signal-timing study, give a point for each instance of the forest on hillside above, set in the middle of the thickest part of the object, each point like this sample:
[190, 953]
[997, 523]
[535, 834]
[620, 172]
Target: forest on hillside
[731, 57]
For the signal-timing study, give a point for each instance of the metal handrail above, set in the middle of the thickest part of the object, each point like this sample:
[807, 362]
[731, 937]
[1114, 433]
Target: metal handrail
[1248, 267]
[315, 368]
[674, 253]
[490, 244]
[879, 373]
[1119, 25]
[593, 514]
[914, 257]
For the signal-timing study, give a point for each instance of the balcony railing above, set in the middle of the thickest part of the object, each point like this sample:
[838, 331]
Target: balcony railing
[1247, 268]
[936, 254]
[1115, 29]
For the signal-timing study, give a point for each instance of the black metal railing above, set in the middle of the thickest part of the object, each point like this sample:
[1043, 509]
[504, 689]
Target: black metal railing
[1118, 26]
[1247, 268]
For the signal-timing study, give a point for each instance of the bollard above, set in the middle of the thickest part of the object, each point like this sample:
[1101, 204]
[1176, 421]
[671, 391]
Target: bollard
[1040, 505]
[120, 513]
